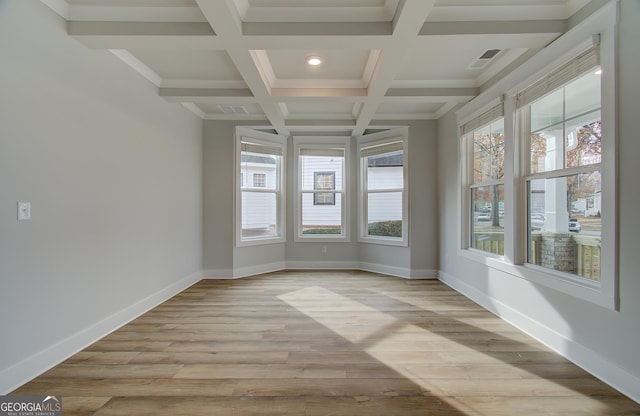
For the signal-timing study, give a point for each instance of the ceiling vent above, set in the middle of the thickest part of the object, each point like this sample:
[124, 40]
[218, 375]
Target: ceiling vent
[233, 109]
[484, 59]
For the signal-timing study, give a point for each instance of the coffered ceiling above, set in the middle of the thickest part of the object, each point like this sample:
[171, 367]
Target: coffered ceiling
[381, 59]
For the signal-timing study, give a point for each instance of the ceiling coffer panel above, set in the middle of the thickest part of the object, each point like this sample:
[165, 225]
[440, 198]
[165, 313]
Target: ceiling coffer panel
[247, 59]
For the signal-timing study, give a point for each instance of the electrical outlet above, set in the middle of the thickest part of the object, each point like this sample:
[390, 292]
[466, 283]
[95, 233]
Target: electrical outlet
[324, 249]
[24, 211]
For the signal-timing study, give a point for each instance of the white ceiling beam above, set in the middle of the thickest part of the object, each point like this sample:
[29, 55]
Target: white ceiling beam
[432, 92]
[317, 29]
[343, 42]
[505, 12]
[201, 83]
[101, 38]
[319, 92]
[408, 116]
[224, 16]
[493, 27]
[206, 92]
[137, 66]
[114, 41]
[131, 35]
[80, 28]
[336, 123]
[396, 96]
[249, 117]
[317, 14]
[407, 22]
[136, 13]
[59, 6]
[210, 100]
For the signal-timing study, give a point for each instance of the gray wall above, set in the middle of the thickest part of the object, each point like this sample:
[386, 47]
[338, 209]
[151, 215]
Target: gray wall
[218, 197]
[114, 176]
[221, 259]
[603, 341]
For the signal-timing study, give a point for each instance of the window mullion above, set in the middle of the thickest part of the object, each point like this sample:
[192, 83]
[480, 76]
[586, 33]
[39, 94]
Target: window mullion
[559, 173]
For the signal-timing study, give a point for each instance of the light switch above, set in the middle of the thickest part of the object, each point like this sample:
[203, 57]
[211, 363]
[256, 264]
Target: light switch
[24, 211]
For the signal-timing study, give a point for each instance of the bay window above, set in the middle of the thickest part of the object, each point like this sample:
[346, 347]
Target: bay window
[259, 201]
[561, 121]
[483, 144]
[321, 206]
[383, 188]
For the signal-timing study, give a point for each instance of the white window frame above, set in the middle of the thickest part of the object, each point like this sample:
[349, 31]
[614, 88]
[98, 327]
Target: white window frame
[599, 26]
[602, 292]
[487, 115]
[369, 141]
[269, 140]
[319, 143]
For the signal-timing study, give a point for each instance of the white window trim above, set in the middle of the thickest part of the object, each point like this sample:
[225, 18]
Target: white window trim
[466, 174]
[268, 140]
[378, 139]
[319, 142]
[605, 294]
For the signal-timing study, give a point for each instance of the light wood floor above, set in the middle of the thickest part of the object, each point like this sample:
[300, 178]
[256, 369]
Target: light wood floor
[323, 343]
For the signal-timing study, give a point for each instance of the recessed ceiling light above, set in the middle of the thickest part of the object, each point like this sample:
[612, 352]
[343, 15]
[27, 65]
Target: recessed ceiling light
[598, 72]
[314, 60]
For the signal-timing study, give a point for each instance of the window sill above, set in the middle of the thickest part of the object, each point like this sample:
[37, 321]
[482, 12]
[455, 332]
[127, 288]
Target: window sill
[321, 239]
[384, 241]
[561, 282]
[260, 242]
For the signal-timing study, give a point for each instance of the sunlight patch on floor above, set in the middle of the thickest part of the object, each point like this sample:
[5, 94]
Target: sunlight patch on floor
[424, 357]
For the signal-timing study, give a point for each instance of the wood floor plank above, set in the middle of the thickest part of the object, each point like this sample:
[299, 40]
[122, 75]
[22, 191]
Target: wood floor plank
[189, 406]
[224, 357]
[323, 343]
[129, 387]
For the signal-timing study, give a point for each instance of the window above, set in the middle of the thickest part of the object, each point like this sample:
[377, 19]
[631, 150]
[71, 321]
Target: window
[561, 116]
[260, 205]
[483, 142]
[321, 167]
[382, 190]
[324, 181]
[559, 182]
[259, 179]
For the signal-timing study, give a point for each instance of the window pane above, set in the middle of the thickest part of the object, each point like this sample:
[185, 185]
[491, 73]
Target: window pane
[583, 95]
[546, 149]
[384, 214]
[488, 152]
[259, 214]
[321, 219]
[259, 170]
[584, 140]
[565, 126]
[487, 229]
[310, 165]
[385, 171]
[547, 110]
[565, 225]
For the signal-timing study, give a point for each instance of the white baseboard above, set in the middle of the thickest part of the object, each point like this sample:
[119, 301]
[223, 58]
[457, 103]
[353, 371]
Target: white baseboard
[31, 367]
[258, 269]
[599, 366]
[425, 274]
[384, 269]
[323, 265]
[222, 274]
[240, 272]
